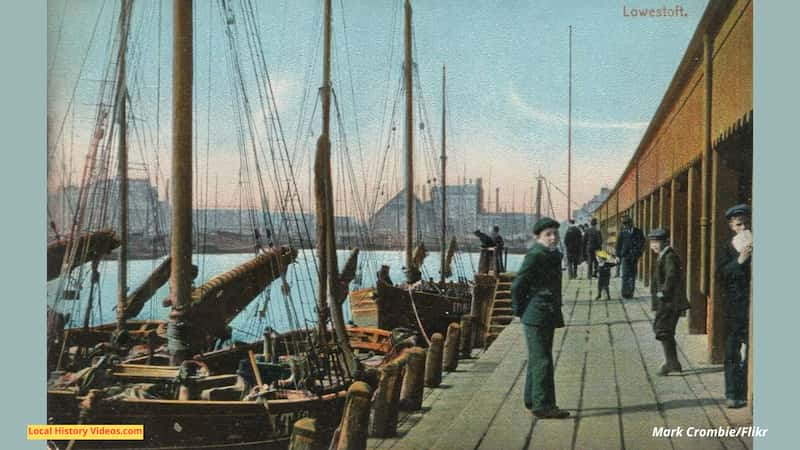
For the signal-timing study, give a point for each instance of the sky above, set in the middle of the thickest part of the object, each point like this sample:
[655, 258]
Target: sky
[507, 90]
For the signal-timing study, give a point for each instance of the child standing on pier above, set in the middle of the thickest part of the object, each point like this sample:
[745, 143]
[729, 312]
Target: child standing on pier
[536, 300]
[603, 273]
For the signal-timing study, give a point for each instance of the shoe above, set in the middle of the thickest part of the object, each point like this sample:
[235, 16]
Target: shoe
[597, 298]
[666, 369]
[552, 413]
[735, 404]
[671, 356]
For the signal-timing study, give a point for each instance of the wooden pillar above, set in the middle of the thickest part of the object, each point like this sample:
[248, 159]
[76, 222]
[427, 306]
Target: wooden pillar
[414, 380]
[465, 341]
[663, 207]
[724, 194]
[697, 301]
[355, 419]
[648, 255]
[643, 226]
[383, 421]
[433, 361]
[677, 223]
[305, 436]
[483, 293]
[706, 165]
[451, 342]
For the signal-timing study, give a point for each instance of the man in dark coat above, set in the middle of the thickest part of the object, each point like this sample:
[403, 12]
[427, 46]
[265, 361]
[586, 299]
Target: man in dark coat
[630, 243]
[536, 300]
[670, 299]
[572, 241]
[734, 270]
[594, 242]
[499, 245]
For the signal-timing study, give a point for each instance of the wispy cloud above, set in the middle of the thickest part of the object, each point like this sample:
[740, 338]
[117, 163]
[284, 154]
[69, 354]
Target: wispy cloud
[551, 118]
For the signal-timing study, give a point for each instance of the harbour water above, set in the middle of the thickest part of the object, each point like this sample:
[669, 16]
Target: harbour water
[273, 308]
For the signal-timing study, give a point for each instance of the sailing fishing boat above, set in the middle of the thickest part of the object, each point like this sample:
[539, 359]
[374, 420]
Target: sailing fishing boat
[184, 405]
[425, 307]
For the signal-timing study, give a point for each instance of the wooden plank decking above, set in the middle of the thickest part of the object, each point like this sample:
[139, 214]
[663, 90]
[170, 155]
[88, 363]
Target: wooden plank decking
[606, 360]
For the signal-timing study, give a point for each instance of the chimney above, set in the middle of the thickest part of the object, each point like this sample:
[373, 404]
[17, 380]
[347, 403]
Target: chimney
[479, 184]
[497, 200]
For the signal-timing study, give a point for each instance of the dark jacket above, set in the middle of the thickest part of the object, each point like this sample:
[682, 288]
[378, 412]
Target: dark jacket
[735, 279]
[630, 243]
[604, 270]
[667, 277]
[573, 240]
[536, 290]
[593, 240]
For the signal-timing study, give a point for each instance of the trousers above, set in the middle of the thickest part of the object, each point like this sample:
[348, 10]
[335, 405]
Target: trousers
[628, 265]
[540, 388]
[735, 365]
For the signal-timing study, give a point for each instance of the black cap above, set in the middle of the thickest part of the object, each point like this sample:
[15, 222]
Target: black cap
[545, 222]
[738, 210]
[594, 221]
[658, 234]
[627, 219]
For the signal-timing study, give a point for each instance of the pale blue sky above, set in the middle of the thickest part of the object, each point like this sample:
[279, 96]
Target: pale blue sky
[507, 65]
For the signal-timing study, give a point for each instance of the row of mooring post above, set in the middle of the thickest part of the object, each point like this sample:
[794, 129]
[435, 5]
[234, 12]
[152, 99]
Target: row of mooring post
[373, 411]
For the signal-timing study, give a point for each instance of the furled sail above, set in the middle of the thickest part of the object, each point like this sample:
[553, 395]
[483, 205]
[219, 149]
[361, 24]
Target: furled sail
[218, 301]
[90, 247]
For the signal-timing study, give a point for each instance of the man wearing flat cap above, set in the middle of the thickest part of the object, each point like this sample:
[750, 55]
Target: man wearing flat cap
[536, 300]
[630, 244]
[669, 298]
[734, 270]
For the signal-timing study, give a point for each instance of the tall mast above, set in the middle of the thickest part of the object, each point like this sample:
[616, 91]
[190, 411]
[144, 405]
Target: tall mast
[122, 167]
[178, 331]
[569, 134]
[409, 142]
[330, 289]
[321, 176]
[539, 196]
[444, 178]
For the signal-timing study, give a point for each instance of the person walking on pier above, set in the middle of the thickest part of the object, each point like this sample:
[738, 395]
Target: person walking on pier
[734, 270]
[594, 242]
[536, 300]
[572, 241]
[670, 299]
[630, 244]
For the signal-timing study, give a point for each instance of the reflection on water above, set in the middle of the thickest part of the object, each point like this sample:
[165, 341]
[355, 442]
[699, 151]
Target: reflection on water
[272, 308]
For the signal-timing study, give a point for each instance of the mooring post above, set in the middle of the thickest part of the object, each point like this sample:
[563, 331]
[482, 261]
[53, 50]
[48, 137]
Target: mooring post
[433, 361]
[383, 406]
[305, 436]
[465, 339]
[355, 420]
[451, 342]
[413, 381]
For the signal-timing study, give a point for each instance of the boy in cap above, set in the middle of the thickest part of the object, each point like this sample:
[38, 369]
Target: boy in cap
[734, 270]
[536, 300]
[669, 298]
[603, 273]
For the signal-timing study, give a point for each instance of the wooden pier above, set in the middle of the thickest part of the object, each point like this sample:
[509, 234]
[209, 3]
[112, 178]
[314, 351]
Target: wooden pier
[606, 362]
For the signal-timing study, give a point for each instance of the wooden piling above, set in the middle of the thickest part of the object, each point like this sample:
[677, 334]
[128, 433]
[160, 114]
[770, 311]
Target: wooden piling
[383, 420]
[305, 436]
[413, 381]
[355, 420]
[465, 338]
[451, 342]
[433, 361]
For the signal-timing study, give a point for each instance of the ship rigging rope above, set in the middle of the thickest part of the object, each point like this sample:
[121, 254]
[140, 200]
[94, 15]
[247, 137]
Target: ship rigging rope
[410, 289]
